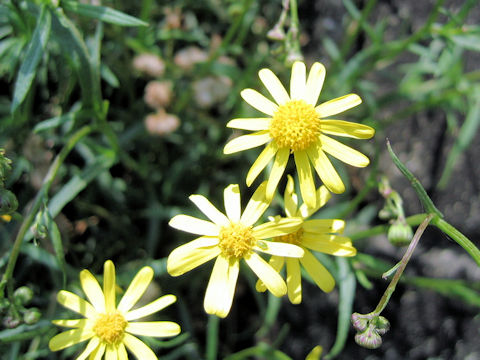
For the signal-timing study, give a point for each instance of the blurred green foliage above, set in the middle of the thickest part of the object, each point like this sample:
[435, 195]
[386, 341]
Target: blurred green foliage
[101, 178]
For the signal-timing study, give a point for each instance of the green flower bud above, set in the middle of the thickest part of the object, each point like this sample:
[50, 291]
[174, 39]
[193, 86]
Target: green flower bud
[23, 295]
[382, 325]
[369, 338]
[400, 233]
[359, 322]
[31, 316]
[8, 202]
[4, 165]
[10, 322]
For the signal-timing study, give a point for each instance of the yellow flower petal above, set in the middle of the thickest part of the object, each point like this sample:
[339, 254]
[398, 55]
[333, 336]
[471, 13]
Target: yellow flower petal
[315, 353]
[338, 105]
[97, 354]
[294, 281]
[258, 101]
[307, 185]
[221, 287]
[69, 338]
[343, 152]
[346, 129]
[138, 348]
[272, 280]
[76, 303]
[290, 198]
[280, 227]
[209, 210]
[76, 323]
[231, 198]
[92, 345]
[109, 286]
[318, 272]
[276, 262]
[322, 197]
[279, 248]
[297, 81]
[262, 161]
[253, 124]
[192, 254]
[122, 352]
[111, 353]
[92, 289]
[315, 80]
[150, 308]
[325, 170]
[136, 289]
[324, 225]
[245, 142]
[153, 328]
[194, 225]
[274, 86]
[256, 206]
[338, 245]
[279, 165]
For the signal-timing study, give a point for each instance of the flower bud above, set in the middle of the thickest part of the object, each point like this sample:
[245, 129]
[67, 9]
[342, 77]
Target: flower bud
[158, 94]
[369, 338]
[400, 233]
[149, 64]
[23, 295]
[276, 33]
[31, 316]
[382, 325]
[10, 322]
[359, 322]
[4, 165]
[161, 123]
[8, 202]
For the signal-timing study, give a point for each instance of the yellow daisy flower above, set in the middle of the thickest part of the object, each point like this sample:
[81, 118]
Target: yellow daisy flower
[110, 327]
[317, 234]
[231, 238]
[295, 125]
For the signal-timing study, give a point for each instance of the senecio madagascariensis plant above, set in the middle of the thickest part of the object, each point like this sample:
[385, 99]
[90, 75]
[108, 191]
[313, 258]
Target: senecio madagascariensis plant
[296, 125]
[111, 327]
[322, 235]
[231, 238]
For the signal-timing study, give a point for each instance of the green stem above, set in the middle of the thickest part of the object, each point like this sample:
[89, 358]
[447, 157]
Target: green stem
[459, 238]
[403, 263]
[47, 182]
[212, 337]
[417, 186]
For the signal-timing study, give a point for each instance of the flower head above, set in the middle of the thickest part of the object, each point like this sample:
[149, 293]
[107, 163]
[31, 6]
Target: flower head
[296, 125]
[109, 327]
[230, 238]
[322, 235]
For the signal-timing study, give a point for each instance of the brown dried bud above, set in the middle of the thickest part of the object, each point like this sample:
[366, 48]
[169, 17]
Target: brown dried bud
[149, 64]
[158, 94]
[189, 56]
[161, 123]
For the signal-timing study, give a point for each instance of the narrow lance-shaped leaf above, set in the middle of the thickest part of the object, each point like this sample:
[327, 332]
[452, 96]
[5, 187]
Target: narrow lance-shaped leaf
[56, 240]
[34, 53]
[102, 13]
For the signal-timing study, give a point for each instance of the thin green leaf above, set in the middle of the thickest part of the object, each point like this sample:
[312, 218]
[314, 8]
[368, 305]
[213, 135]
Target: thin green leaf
[470, 42]
[347, 285]
[102, 13]
[55, 122]
[24, 332]
[465, 136]
[109, 76]
[80, 181]
[73, 46]
[35, 50]
[56, 239]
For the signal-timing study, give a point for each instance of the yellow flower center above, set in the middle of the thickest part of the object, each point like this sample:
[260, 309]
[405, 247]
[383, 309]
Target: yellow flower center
[294, 238]
[110, 328]
[295, 125]
[236, 240]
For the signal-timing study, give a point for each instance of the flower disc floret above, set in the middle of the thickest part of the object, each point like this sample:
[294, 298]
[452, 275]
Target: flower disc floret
[295, 125]
[236, 240]
[110, 328]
